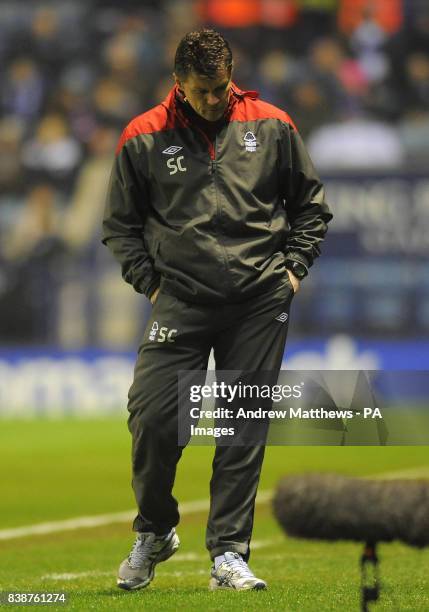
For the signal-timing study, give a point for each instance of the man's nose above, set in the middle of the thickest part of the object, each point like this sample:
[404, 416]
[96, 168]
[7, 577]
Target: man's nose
[212, 100]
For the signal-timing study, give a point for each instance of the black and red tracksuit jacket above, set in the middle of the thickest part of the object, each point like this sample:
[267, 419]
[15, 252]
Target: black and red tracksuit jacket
[211, 212]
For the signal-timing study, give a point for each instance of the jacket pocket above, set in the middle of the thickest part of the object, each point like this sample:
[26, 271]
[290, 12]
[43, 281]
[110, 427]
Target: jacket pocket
[286, 282]
[155, 253]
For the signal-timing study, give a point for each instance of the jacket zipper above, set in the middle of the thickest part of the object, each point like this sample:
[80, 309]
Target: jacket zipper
[218, 208]
[213, 171]
[211, 146]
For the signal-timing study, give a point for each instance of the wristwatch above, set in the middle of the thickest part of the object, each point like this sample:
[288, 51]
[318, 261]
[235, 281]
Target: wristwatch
[298, 269]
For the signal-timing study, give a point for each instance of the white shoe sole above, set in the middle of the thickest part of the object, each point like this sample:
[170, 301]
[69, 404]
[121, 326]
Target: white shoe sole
[214, 585]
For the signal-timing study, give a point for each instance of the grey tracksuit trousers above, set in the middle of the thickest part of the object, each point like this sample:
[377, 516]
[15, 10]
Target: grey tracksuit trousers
[179, 336]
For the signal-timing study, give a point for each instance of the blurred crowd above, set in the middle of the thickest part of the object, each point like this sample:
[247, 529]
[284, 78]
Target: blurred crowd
[353, 74]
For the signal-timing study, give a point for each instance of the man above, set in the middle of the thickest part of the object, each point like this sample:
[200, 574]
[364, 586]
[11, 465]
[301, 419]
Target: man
[215, 213]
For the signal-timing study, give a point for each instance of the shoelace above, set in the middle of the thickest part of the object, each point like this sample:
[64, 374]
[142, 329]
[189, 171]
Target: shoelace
[142, 550]
[238, 566]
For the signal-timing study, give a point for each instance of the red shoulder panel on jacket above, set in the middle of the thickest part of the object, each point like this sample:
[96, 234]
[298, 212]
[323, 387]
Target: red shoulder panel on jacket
[156, 119]
[251, 109]
[248, 107]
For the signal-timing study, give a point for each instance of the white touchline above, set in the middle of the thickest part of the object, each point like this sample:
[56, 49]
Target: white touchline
[85, 522]
[191, 507]
[417, 472]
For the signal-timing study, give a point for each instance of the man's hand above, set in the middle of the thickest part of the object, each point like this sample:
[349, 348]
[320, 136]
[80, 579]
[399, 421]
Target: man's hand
[154, 296]
[295, 282]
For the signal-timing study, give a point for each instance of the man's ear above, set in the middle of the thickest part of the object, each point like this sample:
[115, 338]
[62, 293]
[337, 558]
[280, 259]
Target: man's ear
[177, 81]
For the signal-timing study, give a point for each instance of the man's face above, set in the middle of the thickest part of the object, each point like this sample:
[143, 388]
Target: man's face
[208, 97]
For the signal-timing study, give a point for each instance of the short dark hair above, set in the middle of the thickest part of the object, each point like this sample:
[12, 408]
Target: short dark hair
[204, 52]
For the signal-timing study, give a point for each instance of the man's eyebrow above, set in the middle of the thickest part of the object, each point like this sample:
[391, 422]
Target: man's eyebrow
[221, 86]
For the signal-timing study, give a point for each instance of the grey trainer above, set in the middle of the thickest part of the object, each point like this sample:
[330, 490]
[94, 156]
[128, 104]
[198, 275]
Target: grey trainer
[234, 573]
[138, 570]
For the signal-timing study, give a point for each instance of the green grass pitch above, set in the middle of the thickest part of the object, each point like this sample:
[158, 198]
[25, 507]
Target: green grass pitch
[54, 470]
